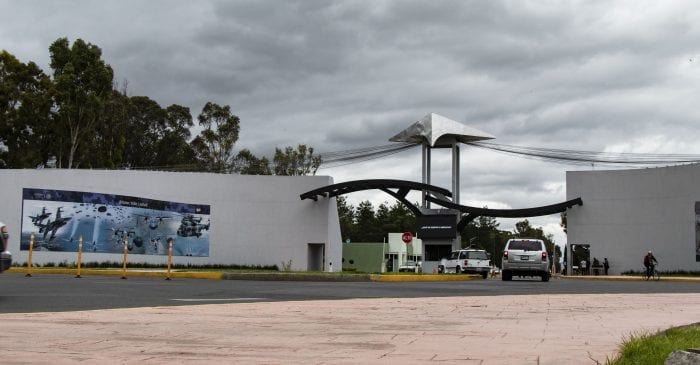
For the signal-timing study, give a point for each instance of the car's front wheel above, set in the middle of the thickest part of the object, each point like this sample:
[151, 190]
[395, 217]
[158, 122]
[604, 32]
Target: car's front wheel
[484, 275]
[441, 269]
[458, 270]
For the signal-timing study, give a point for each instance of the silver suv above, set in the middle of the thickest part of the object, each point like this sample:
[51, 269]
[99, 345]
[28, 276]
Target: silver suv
[525, 257]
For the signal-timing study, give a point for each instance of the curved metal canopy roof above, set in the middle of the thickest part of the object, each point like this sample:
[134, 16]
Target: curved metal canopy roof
[402, 189]
[439, 131]
[470, 213]
[438, 196]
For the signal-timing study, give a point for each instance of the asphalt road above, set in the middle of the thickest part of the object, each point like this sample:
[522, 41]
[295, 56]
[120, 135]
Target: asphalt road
[59, 293]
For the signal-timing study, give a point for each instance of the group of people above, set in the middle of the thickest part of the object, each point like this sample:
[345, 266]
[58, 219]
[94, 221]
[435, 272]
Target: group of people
[585, 266]
[650, 263]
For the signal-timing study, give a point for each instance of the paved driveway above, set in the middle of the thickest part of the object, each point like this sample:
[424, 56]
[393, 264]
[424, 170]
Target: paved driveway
[522, 329]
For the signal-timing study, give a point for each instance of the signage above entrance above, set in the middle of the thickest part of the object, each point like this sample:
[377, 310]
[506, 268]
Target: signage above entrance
[437, 226]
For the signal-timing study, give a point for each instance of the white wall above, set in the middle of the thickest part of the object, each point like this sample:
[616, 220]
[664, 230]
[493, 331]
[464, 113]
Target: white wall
[255, 220]
[626, 213]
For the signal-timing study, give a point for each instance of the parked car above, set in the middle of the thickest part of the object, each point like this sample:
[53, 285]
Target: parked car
[525, 257]
[5, 256]
[470, 261]
[411, 266]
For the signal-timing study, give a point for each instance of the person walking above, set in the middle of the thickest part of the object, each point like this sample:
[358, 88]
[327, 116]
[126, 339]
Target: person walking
[5, 257]
[606, 265]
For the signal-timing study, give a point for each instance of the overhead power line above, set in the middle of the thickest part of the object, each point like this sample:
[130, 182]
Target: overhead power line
[341, 158]
[577, 157]
[562, 156]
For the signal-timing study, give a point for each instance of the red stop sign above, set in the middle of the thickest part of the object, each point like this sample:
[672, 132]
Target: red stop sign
[407, 237]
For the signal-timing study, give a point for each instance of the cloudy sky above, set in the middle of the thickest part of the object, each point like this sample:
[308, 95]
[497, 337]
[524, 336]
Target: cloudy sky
[619, 76]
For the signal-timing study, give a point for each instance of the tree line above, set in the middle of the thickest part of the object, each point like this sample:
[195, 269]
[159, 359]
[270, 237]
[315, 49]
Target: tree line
[79, 117]
[365, 223]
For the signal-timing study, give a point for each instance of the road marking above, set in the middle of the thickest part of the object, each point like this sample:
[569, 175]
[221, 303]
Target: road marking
[217, 299]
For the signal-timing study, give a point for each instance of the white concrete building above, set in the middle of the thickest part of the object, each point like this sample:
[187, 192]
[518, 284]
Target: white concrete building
[253, 220]
[403, 256]
[626, 213]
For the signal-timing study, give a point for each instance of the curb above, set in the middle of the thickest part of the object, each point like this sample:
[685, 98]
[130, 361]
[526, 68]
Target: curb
[216, 275]
[211, 275]
[345, 277]
[296, 277]
[631, 278]
[422, 278]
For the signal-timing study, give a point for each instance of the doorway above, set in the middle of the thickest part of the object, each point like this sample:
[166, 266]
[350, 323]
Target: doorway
[316, 257]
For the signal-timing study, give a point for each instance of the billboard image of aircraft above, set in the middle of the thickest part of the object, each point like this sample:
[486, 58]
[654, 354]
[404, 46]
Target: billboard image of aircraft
[105, 222]
[52, 226]
[40, 217]
[191, 226]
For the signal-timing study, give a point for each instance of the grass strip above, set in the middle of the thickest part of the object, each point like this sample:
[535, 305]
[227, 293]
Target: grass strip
[652, 349]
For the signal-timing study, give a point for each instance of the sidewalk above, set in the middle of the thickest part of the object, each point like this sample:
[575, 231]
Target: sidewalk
[535, 329]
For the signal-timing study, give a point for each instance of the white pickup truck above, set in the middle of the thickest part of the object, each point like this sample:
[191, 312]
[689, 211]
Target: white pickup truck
[471, 261]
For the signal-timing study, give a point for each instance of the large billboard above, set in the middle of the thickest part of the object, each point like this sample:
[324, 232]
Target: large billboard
[58, 219]
[437, 226]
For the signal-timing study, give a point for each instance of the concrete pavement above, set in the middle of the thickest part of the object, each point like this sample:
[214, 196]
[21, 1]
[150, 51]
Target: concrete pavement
[532, 329]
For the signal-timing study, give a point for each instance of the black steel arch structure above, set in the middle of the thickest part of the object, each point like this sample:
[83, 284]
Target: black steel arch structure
[402, 189]
[436, 195]
[471, 213]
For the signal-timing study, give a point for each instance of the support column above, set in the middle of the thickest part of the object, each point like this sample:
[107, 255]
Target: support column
[455, 173]
[426, 173]
[455, 190]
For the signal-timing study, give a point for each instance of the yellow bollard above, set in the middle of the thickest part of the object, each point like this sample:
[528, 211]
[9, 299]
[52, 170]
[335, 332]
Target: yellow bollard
[29, 259]
[80, 253]
[170, 256]
[126, 243]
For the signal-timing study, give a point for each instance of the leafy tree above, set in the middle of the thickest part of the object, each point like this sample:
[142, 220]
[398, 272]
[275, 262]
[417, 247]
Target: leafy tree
[214, 146]
[383, 219]
[401, 218]
[109, 141]
[25, 111]
[563, 222]
[146, 122]
[367, 228]
[346, 215]
[247, 164]
[291, 162]
[82, 80]
[172, 148]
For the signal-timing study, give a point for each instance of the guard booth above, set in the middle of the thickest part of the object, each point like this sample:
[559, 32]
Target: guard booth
[438, 231]
[400, 255]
